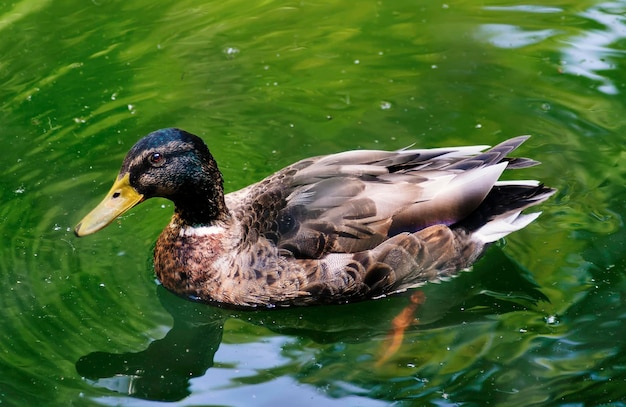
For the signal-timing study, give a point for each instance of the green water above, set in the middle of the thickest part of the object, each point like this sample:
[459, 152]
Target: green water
[539, 320]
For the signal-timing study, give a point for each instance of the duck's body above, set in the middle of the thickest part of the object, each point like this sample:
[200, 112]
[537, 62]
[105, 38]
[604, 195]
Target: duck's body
[331, 229]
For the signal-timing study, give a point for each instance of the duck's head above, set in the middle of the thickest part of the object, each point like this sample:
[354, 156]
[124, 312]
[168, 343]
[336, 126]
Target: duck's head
[168, 163]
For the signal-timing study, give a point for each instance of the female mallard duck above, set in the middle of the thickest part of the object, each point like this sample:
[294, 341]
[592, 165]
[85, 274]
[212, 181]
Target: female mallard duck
[330, 229]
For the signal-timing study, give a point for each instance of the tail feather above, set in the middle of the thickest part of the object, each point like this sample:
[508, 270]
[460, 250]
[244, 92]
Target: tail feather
[500, 213]
[500, 227]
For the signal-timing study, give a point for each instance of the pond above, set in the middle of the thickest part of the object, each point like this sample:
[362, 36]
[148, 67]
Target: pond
[539, 320]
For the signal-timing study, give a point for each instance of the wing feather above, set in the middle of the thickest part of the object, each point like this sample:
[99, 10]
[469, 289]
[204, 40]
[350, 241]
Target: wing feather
[352, 201]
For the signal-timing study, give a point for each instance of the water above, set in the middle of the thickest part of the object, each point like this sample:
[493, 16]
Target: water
[539, 320]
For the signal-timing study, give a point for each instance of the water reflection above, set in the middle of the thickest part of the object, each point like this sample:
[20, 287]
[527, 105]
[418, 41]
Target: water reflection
[588, 53]
[163, 370]
[360, 332]
[593, 53]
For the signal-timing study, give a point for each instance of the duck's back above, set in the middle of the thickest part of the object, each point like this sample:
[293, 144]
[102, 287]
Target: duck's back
[353, 201]
[366, 223]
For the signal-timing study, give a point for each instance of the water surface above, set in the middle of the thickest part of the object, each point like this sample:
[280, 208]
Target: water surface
[539, 320]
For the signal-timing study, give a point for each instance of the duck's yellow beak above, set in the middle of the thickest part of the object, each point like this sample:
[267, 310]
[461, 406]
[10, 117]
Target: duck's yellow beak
[120, 198]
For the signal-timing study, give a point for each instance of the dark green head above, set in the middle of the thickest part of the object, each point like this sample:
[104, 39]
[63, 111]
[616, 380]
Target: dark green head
[168, 163]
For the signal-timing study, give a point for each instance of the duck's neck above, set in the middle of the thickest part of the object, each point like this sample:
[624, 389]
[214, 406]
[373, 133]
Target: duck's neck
[202, 205]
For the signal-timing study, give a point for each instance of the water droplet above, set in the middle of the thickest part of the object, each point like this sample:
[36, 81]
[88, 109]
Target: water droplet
[231, 52]
[479, 126]
[546, 107]
[552, 320]
[356, 62]
[384, 105]
[20, 190]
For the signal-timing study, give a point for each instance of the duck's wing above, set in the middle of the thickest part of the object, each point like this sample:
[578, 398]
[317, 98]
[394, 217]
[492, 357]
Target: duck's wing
[353, 201]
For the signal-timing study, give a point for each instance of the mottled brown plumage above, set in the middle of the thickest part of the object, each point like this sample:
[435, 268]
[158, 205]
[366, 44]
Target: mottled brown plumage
[330, 229]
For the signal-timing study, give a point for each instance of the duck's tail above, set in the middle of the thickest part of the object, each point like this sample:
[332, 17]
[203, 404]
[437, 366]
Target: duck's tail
[408, 260]
[500, 213]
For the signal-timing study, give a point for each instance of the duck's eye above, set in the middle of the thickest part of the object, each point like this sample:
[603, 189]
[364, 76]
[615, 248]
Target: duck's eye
[156, 159]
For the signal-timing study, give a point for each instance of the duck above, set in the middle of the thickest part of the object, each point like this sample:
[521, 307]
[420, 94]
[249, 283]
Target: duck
[332, 229]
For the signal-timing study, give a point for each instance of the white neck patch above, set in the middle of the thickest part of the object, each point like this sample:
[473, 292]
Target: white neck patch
[187, 231]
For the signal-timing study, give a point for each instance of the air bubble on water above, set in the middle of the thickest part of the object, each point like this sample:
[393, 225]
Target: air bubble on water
[231, 52]
[552, 320]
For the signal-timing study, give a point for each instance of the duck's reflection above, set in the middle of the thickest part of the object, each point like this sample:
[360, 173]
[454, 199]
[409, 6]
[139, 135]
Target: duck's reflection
[163, 370]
